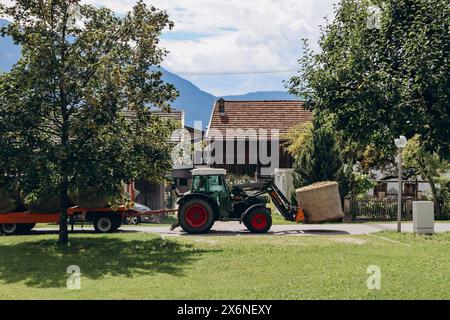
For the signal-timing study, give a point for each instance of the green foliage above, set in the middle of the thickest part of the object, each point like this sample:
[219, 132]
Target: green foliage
[297, 137]
[429, 166]
[75, 109]
[362, 184]
[444, 196]
[170, 198]
[319, 159]
[322, 155]
[384, 81]
[9, 199]
[233, 179]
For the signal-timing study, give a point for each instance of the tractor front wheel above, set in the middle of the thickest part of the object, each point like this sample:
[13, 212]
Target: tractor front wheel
[196, 216]
[258, 220]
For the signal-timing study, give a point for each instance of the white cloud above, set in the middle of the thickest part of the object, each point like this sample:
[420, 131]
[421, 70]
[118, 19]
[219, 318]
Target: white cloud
[235, 36]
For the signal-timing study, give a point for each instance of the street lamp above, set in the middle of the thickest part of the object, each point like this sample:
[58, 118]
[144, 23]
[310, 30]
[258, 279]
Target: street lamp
[400, 144]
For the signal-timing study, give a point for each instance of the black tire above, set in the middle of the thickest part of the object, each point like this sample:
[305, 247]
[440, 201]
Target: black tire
[132, 221]
[118, 221]
[259, 220]
[9, 229]
[196, 216]
[104, 224]
[26, 228]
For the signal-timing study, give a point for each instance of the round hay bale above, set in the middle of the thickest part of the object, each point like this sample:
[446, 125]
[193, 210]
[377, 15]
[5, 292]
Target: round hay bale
[320, 202]
[95, 197]
[8, 200]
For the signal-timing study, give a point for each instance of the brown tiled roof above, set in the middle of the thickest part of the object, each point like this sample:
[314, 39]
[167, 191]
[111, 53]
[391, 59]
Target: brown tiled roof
[278, 115]
[174, 115]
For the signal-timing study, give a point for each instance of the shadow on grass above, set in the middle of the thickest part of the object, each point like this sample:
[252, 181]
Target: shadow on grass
[43, 264]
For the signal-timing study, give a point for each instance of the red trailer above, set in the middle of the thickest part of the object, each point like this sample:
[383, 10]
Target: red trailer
[105, 220]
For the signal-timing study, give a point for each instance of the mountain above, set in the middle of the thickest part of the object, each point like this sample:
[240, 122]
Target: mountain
[196, 103]
[262, 95]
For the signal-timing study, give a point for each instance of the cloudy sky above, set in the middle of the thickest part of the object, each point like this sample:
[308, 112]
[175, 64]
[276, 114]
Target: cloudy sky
[228, 47]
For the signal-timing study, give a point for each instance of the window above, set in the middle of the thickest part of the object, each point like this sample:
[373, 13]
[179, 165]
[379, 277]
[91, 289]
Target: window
[210, 184]
[199, 184]
[216, 184]
[222, 107]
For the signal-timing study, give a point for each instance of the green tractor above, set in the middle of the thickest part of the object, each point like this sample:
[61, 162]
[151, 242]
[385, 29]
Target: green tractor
[211, 200]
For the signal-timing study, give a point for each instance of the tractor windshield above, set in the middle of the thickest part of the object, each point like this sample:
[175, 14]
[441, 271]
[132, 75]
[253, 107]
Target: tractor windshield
[199, 184]
[210, 184]
[216, 184]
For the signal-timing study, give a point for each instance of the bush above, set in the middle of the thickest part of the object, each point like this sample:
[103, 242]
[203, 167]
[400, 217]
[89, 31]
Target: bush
[9, 200]
[43, 199]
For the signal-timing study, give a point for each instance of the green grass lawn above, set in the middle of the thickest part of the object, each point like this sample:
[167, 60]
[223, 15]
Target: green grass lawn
[144, 266]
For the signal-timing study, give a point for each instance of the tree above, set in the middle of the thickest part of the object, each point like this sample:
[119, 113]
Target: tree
[75, 110]
[384, 79]
[322, 154]
[428, 165]
[317, 157]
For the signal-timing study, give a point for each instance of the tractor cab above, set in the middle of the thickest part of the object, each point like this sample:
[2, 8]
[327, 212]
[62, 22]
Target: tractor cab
[212, 183]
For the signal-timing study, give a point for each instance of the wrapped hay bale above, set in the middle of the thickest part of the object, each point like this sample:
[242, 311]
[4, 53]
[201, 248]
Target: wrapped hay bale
[96, 196]
[9, 200]
[320, 202]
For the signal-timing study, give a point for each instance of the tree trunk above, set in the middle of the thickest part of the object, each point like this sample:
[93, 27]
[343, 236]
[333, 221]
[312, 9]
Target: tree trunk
[64, 169]
[64, 185]
[63, 199]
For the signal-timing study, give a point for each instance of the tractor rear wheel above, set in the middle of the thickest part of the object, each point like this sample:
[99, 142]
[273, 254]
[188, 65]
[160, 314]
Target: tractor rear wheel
[196, 216]
[258, 220]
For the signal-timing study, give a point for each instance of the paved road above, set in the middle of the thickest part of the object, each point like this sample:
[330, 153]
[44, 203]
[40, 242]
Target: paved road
[236, 229]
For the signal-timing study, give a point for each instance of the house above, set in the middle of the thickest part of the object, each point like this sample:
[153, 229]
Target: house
[247, 137]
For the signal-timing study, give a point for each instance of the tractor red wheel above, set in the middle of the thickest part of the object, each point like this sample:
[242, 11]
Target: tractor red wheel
[258, 221]
[196, 216]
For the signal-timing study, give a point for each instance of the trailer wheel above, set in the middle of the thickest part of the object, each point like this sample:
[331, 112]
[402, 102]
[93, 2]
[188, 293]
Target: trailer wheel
[196, 216]
[104, 224]
[26, 227]
[258, 220]
[9, 229]
[118, 221]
